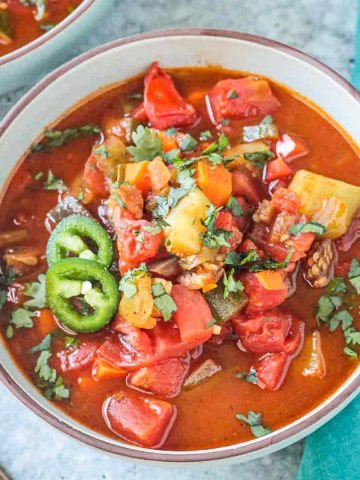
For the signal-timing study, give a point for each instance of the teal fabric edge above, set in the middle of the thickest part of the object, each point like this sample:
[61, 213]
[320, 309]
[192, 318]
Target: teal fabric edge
[333, 451]
[356, 70]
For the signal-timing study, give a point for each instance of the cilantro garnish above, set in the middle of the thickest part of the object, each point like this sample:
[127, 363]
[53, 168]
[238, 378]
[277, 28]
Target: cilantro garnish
[127, 284]
[256, 264]
[38, 175]
[259, 158]
[254, 421]
[235, 208]
[119, 200]
[21, 318]
[163, 301]
[354, 274]
[239, 259]
[102, 151]
[58, 138]
[218, 146]
[249, 377]
[164, 204]
[313, 227]
[206, 135]
[70, 342]
[232, 95]
[211, 323]
[45, 344]
[230, 284]
[54, 183]
[2, 298]
[188, 143]
[214, 237]
[37, 291]
[147, 145]
[152, 229]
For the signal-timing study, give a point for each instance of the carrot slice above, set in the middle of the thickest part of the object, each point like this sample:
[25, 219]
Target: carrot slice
[103, 370]
[215, 182]
[137, 174]
[46, 322]
[159, 174]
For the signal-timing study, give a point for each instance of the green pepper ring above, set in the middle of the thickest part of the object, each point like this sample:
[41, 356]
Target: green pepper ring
[70, 271]
[70, 230]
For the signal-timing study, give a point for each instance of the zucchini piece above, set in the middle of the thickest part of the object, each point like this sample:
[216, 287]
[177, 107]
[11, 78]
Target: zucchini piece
[5, 28]
[330, 202]
[223, 309]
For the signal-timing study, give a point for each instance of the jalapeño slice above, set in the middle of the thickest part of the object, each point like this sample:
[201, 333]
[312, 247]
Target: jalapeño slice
[82, 294]
[79, 236]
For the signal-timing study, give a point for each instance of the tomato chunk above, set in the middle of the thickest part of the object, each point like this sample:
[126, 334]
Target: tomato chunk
[271, 370]
[243, 184]
[264, 290]
[138, 419]
[276, 169]
[164, 379]
[263, 333]
[95, 178]
[241, 98]
[139, 113]
[164, 106]
[226, 221]
[78, 358]
[192, 315]
[285, 200]
[167, 342]
[121, 355]
[135, 244]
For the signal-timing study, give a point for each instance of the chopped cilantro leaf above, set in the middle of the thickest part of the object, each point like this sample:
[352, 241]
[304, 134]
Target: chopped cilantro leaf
[54, 183]
[2, 298]
[45, 344]
[313, 227]
[249, 377]
[163, 301]
[354, 274]
[21, 318]
[235, 208]
[239, 259]
[147, 145]
[102, 151]
[271, 264]
[211, 323]
[164, 204]
[71, 341]
[170, 132]
[128, 282]
[42, 367]
[214, 237]
[230, 284]
[206, 135]
[350, 353]
[267, 120]
[37, 291]
[259, 158]
[9, 332]
[152, 229]
[232, 95]
[188, 143]
[38, 175]
[119, 200]
[58, 138]
[254, 420]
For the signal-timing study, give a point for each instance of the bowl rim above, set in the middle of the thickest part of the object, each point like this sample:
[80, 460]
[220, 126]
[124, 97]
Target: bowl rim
[47, 36]
[294, 430]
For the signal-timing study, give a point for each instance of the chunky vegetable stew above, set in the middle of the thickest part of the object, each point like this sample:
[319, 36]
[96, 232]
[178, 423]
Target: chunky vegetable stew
[22, 21]
[180, 259]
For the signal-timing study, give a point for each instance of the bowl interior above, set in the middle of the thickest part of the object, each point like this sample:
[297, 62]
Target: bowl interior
[118, 61]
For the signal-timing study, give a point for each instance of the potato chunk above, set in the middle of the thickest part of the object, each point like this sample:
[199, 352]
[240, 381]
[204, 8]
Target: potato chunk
[327, 201]
[183, 234]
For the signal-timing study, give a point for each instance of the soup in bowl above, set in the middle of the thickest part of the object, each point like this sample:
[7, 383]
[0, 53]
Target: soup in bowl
[179, 249]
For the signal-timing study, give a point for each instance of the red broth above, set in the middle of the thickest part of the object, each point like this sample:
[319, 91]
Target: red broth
[22, 24]
[206, 413]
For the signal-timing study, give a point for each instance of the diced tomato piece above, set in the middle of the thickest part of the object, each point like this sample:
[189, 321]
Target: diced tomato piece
[276, 169]
[241, 222]
[346, 241]
[271, 370]
[135, 337]
[244, 184]
[164, 379]
[342, 269]
[138, 419]
[94, 178]
[77, 358]
[301, 244]
[192, 315]
[226, 221]
[139, 113]
[164, 105]
[250, 245]
[263, 333]
[121, 354]
[285, 200]
[167, 341]
[241, 98]
[131, 206]
[295, 339]
[135, 244]
[260, 297]
[290, 147]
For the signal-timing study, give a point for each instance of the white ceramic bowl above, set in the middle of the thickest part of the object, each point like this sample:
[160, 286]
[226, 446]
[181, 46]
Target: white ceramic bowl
[117, 61]
[32, 60]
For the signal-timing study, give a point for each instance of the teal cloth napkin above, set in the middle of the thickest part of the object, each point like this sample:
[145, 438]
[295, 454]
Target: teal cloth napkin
[333, 451]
